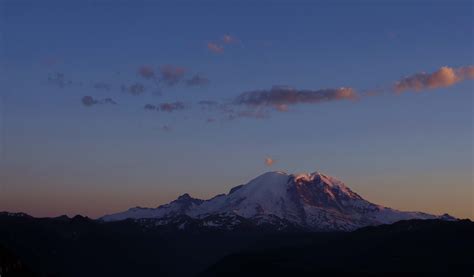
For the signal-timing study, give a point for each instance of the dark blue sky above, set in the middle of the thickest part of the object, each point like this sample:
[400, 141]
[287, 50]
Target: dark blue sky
[411, 151]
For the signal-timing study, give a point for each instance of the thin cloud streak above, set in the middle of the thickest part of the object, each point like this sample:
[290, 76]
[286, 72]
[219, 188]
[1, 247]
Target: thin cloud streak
[89, 101]
[282, 95]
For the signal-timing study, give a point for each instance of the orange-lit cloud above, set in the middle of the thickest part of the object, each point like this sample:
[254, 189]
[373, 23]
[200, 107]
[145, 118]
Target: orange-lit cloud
[443, 77]
[269, 161]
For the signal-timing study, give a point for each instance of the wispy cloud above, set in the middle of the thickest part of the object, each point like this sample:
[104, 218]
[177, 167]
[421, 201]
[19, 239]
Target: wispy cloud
[170, 107]
[134, 89]
[150, 107]
[228, 39]
[283, 95]
[215, 48]
[89, 101]
[172, 75]
[218, 45]
[146, 71]
[197, 80]
[443, 77]
[59, 79]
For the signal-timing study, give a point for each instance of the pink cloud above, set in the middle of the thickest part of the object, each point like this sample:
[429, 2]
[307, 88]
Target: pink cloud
[215, 48]
[172, 75]
[146, 71]
[228, 39]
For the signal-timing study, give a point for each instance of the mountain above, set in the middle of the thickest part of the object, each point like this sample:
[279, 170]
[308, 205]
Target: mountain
[314, 202]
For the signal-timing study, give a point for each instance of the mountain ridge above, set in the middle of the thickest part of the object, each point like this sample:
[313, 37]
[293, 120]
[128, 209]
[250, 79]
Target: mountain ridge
[312, 201]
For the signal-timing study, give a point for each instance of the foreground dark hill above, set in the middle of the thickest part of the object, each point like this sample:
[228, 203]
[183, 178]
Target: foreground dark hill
[405, 248]
[11, 265]
[80, 246]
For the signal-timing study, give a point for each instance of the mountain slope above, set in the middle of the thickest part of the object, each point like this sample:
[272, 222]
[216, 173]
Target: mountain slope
[311, 201]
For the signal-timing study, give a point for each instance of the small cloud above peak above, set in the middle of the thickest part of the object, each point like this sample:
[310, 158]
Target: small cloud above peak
[269, 161]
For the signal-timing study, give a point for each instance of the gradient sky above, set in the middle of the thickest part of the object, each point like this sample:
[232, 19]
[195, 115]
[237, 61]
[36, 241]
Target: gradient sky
[409, 151]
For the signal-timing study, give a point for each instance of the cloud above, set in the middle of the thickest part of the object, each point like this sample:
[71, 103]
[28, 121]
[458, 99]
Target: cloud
[466, 72]
[443, 77]
[269, 161]
[89, 101]
[59, 80]
[165, 107]
[228, 39]
[218, 47]
[150, 107]
[172, 75]
[134, 89]
[146, 71]
[215, 48]
[170, 107]
[108, 101]
[282, 95]
[197, 80]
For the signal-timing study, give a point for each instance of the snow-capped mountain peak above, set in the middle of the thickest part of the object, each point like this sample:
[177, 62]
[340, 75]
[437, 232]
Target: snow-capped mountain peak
[312, 201]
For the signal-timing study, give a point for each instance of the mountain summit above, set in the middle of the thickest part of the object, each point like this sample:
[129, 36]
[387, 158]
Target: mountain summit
[313, 201]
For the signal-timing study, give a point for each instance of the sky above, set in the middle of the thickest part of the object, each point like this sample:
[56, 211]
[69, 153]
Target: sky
[110, 105]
